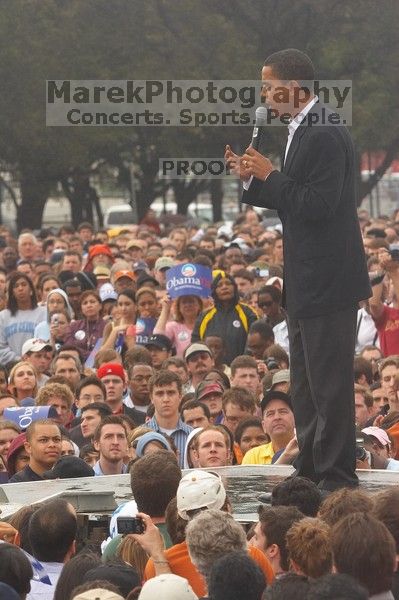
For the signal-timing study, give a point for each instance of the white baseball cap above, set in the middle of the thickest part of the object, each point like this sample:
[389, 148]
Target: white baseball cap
[199, 489]
[167, 587]
[35, 345]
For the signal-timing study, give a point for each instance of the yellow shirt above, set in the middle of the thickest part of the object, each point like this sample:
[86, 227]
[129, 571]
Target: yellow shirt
[261, 455]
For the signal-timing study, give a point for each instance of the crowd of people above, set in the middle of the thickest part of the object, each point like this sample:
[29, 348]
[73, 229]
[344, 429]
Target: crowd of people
[102, 373]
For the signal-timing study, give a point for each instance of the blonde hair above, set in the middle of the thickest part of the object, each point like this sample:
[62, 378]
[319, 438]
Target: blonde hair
[130, 551]
[11, 377]
[50, 390]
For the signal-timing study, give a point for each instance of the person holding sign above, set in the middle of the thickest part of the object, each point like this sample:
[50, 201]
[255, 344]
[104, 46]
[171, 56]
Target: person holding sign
[179, 330]
[228, 319]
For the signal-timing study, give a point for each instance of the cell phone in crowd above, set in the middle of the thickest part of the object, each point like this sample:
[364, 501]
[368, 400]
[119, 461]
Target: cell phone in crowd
[130, 525]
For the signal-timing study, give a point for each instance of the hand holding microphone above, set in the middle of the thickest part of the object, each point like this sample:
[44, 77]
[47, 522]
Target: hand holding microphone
[252, 164]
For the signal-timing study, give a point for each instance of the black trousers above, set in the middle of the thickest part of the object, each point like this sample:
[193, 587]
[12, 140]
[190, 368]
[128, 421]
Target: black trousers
[322, 387]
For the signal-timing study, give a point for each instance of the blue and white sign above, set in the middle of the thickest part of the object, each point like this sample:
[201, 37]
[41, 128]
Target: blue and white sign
[188, 280]
[25, 415]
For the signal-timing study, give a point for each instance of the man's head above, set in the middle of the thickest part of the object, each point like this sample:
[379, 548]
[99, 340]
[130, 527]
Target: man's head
[260, 337]
[200, 490]
[43, 444]
[364, 549]
[27, 246]
[270, 534]
[292, 71]
[90, 390]
[195, 414]
[160, 348]
[211, 394]
[388, 370]
[269, 301]
[52, 531]
[72, 261]
[112, 376]
[69, 367]
[238, 404]
[154, 480]
[212, 447]
[343, 502]
[364, 405]
[35, 352]
[244, 373]
[278, 418]
[139, 375]
[236, 576]
[309, 547]
[110, 439]
[300, 492]
[91, 416]
[73, 289]
[165, 393]
[333, 586]
[199, 360]
[60, 397]
[211, 535]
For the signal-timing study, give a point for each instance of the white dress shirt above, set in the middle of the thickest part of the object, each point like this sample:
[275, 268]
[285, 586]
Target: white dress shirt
[292, 127]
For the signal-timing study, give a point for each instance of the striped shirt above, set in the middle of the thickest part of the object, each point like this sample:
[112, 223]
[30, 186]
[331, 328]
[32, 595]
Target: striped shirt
[179, 436]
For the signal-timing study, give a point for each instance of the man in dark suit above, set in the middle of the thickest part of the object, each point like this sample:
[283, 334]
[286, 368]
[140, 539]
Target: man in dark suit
[325, 273]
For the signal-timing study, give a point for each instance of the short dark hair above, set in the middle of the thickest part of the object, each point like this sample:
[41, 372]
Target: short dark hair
[386, 505]
[300, 492]
[337, 585]
[93, 380]
[243, 425]
[52, 530]
[191, 404]
[164, 377]
[362, 366]
[118, 572]
[288, 587]
[243, 362]
[73, 572]
[291, 64]
[241, 397]
[236, 576]
[102, 409]
[109, 420]
[275, 522]
[264, 329]
[15, 568]
[343, 502]
[364, 548]
[33, 426]
[273, 291]
[154, 480]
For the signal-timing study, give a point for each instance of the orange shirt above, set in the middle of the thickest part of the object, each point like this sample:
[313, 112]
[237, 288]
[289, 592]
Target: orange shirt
[180, 564]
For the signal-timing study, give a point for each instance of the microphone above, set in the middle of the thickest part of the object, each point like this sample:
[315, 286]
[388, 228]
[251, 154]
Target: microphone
[261, 115]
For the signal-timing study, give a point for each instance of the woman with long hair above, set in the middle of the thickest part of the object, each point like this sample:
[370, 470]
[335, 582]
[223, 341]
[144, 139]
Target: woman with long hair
[85, 333]
[19, 319]
[22, 382]
[179, 329]
[122, 331]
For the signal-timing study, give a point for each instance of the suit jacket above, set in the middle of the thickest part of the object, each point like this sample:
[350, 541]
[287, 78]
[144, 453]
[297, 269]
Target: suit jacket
[324, 262]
